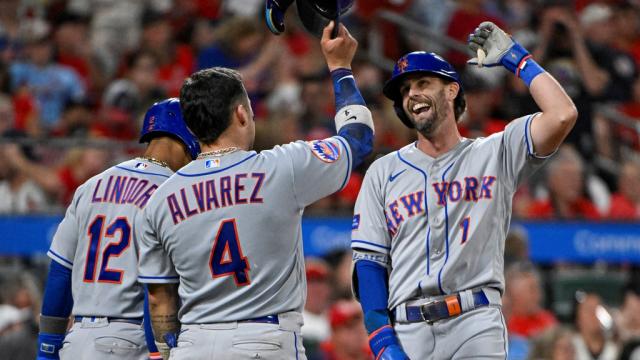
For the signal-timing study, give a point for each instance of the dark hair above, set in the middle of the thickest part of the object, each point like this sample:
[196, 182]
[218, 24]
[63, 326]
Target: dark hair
[207, 99]
[459, 105]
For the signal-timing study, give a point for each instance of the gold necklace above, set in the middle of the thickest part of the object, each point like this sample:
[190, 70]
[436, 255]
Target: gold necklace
[154, 161]
[219, 152]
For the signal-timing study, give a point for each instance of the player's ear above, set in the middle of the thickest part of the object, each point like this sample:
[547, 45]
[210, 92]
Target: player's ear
[452, 90]
[241, 114]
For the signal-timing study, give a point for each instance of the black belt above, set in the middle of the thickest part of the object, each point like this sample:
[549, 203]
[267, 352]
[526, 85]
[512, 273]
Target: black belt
[136, 321]
[448, 307]
[269, 319]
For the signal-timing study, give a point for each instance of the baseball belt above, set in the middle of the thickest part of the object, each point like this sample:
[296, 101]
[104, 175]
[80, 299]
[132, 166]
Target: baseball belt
[269, 319]
[136, 321]
[447, 307]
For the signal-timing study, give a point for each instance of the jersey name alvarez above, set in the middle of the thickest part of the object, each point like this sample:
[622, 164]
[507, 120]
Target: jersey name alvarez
[468, 189]
[237, 189]
[122, 190]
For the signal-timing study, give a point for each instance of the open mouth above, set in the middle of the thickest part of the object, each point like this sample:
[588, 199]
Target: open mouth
[419, 108]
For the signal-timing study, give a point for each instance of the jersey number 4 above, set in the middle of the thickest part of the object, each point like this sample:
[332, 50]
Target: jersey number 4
[226, 257]
[113, 249]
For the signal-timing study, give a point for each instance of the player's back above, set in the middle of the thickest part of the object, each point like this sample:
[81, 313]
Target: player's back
[95, 239]
[231, 226]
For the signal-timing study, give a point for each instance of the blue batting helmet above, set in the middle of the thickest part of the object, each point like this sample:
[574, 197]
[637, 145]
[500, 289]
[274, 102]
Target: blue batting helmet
[165, 118]
[412, 63]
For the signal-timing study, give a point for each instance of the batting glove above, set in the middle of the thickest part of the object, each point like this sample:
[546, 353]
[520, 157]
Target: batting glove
[385, 345]
[494, 47]
[274, 14]
[49, 345]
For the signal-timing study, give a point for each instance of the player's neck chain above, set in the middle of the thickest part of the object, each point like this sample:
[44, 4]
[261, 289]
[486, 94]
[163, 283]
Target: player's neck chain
[154, 161]
[218, 152]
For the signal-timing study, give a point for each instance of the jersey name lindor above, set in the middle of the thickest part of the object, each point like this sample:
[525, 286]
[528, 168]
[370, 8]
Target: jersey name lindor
[123, 190]
[217, 193]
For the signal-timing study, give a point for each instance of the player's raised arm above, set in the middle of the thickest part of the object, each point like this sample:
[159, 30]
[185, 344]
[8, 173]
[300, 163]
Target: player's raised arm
[559, 114]
[353, 120]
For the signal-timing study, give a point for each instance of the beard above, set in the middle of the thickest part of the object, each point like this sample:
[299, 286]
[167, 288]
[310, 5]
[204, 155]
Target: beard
[437, 113]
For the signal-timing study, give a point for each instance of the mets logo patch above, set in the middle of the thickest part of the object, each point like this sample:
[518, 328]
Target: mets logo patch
[324, 150]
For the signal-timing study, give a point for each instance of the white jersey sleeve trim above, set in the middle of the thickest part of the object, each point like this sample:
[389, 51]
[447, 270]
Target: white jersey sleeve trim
[158, 279]
[60, 259]
[368, 245]
[529, 140]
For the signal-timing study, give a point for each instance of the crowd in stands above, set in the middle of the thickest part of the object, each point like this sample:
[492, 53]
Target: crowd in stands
[76, 77]
[83, 69]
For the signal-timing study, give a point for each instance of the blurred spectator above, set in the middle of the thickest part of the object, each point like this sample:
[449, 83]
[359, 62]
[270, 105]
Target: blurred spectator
[628, 318]
[565, 182]
[61, 183]
[7, 114]
[18, 340]
[481, 96]
[554, 344]
[76, 120]
[625, 204]
[467, 15]
[523, 293]
[627, 29]
[116, 117]
[340, 261]
[630, 351]
[579, 53]
[245, 8]
[242, 44]
[52, 85]
[110, 20]
[318, 103]
[594, 326]
[516, 246]
[72, 47]
[316, 323]
[348, 339]
[176, 61]
[19, 194]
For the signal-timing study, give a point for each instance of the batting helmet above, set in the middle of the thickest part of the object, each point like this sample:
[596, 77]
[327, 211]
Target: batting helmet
[314, 14]
[165, 118]
[412, 63]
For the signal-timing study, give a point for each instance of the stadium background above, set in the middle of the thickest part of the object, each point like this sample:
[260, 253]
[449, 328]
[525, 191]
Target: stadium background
[77, 75]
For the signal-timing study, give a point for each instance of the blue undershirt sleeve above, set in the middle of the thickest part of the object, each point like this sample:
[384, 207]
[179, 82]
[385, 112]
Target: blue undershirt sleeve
[57, 300]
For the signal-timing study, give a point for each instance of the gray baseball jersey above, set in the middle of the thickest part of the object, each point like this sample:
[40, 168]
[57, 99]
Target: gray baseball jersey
[443, 221]
[228, 229]
[95, 239]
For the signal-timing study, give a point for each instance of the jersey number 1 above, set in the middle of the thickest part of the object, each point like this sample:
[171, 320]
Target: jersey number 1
[226, 257]
[113, 249]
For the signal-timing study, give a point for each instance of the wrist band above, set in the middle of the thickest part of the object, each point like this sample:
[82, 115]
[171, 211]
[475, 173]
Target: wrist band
[519, 61]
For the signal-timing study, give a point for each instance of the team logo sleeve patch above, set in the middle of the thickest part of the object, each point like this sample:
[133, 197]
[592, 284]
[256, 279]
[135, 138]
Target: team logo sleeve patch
[325, 150]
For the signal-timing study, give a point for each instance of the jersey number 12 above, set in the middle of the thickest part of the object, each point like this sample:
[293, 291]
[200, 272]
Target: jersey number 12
[226, 257]
[106, 275]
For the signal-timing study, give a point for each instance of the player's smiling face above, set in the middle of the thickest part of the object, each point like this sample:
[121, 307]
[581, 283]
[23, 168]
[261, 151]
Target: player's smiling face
[424, 101]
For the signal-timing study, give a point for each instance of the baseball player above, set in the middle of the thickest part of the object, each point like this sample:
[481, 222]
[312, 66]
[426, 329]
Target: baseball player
[226, 227]
[431, 218]
[93, 274]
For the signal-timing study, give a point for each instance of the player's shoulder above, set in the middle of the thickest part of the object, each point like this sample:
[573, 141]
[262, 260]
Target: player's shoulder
[391, 161]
